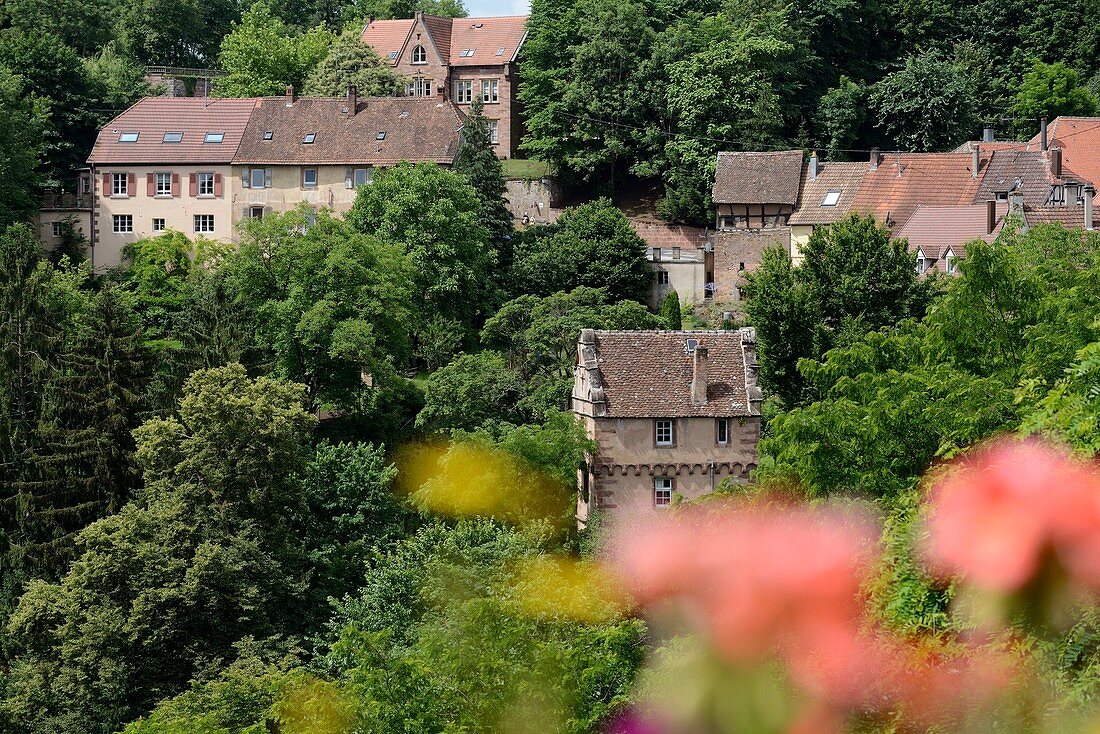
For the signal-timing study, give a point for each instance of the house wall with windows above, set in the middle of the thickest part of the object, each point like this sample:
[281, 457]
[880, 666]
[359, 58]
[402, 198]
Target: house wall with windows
[283, 188]
[686, 275]
[133, 202]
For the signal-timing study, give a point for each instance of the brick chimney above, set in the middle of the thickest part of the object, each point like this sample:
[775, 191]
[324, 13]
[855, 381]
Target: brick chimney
[290, 95]
[1043, 133]
[1056, 162]
[1089, 193]
[699, 376]
[353, 99]
[990, 216]
[975, 159]
[813, 165]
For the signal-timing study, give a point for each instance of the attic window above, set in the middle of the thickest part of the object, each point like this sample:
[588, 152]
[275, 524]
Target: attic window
[380, 135]
[172, 138]
[466, 53]
[477, 25]
[309, 138]
[420, 56]
[268, 134]
[1001, 196]
[831, 198]
[127, 137]
[393, 56]
[213, 137]
[500, 51]
[690, 346]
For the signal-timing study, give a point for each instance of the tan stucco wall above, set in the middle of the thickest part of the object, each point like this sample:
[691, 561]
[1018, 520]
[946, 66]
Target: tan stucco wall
[800, 235]
[177, 211]
[688, 277]
[286, 190]
[81, 219]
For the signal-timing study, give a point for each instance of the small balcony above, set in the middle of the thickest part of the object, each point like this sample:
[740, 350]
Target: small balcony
[66, 201]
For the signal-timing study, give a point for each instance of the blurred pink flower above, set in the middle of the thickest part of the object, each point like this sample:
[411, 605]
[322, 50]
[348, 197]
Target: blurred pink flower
[632, 722]
[1012, 506]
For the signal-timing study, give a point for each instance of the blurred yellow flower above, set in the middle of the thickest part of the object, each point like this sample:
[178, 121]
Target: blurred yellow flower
[583, 591]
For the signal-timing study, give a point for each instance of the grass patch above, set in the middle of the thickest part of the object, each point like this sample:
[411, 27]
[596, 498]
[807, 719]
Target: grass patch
[524, 168]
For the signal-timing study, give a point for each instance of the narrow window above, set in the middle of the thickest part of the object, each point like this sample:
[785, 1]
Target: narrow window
[662, 491]
[722, 430]
[500, 51]
[256, 177]
[158, 224]
[58, 229]
[123, 223]
[494, 132]
[119, 184]
[655, 254]
[663, 432]
[362, 176]
[164, 184]
[489, 90]
[952, 262]
[662, 277]
[309, 178]
[204, 223]
[206, 184]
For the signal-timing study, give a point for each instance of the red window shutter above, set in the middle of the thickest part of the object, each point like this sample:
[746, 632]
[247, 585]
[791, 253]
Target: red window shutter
[150, 184]
[131, 184]
[106, 184]
[217, 184]
[175, 184]
[193, 185]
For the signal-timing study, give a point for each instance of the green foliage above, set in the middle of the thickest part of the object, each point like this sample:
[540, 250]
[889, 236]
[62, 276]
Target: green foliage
[1053, 90]
[592, 245]
[433, 214]
[855, 279]
[183, 33]
[262, 56]
[326, 304]
[471, 390]
[670, 311]
[350, 61]
[117, 80]
[438, 341]
[843, 118]
[391, 9]
[478, 161]
[21, 129]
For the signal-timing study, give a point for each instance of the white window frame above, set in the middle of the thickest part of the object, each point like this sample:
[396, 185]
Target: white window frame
[419, 54]
[662, 492]
[166, 188]
[490, 91]
[120, 184]
[252, 172]
[214, 138]
[306, 184]
[831, 198]
[494, 131]
[367, 177]
[951, 262]
[159, 224]
[664, 432]
[204, 223]
[205, 184]
[122, 223]
[662, 277]
[419, 87]
[922, 262]
[128, 137]
[464, 91]
[722, 425]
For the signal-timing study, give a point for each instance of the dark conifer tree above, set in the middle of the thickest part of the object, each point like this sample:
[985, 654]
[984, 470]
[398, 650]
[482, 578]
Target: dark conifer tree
[477, 160]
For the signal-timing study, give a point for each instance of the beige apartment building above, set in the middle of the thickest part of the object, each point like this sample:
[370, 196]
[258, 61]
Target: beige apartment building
[459, 59]
[674, 413]
[199, 166]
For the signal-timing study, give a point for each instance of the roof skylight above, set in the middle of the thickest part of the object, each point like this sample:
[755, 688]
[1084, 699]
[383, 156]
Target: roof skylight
[127, 137]
[831, 198]
[467, 52]
[500, 51]
[381, 135]
[213, 137]
[268, 134]
[172, 137]
[309, 138]
[393, 55]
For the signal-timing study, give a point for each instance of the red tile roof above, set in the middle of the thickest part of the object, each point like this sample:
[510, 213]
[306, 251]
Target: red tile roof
[484, 36]
[648, 374]
[1079, 139]
[387, 37]
[757, 178]
[841, 177]
[991, 147]
[152, 117]
[934, 229]
[658, 234]
[416, 129]
[904, 181]
[1071, 217]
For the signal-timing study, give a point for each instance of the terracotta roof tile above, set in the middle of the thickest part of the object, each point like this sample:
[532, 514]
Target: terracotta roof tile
[991, 147]
[152, 117]
[934, 229]
[486, 36]
[1031, 169]
[387, 37]
[1079, 139]
[648, 374]
[658, 234]
[1071, 217]
[841, 177]
[757, 178]
[904, 181]
[416, 129]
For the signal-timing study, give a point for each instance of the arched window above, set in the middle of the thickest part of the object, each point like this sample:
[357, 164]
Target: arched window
[419, 55]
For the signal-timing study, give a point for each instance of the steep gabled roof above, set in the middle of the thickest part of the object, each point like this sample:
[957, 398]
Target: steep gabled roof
[829, 196]
[387, 37]
[904, 181]
[1071, 217]
[757, 178]
[415, 129]
[648, 374]
[194, 117]
[935, 229]
[492, 40]
[1030, 169]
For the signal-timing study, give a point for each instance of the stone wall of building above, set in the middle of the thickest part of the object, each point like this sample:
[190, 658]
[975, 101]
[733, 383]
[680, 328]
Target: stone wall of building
[737, 252]
[538, 199]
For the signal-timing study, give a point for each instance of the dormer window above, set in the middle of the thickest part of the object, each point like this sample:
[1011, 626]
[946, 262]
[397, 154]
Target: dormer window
[951, 261]
[172, 138]
[831, 198]
[420, 56]
[127, 137]
[1001, 196]
[922, 262]
[213, 137]
[269, 134]
[309, 138]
